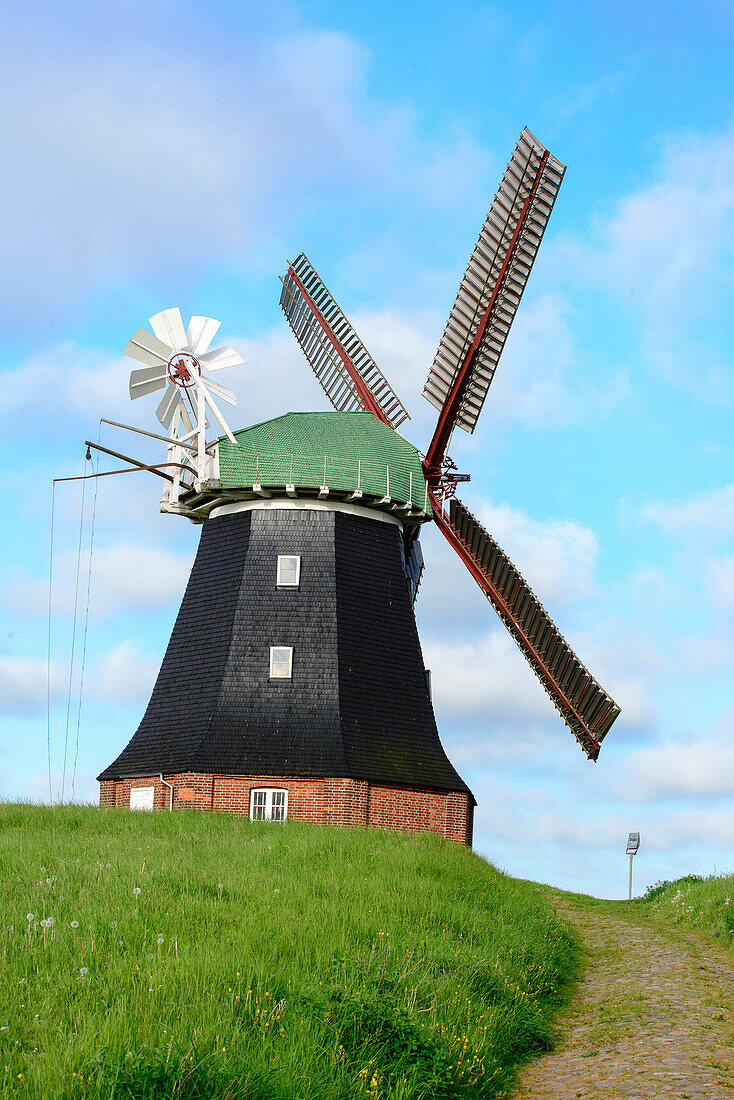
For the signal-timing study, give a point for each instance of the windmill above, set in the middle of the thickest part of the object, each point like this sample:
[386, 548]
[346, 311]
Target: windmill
[308, 696]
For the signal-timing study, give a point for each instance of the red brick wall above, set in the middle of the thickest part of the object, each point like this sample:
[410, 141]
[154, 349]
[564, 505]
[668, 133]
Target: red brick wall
[324, 801]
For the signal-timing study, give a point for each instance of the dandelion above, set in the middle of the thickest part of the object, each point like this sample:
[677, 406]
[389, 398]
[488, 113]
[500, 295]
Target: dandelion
[159, 938]
[113, 924]
[75, 924]
[276, 891]
[30, 916]
[83, 970]
[136, 890]
[45, 923]
[220, 886]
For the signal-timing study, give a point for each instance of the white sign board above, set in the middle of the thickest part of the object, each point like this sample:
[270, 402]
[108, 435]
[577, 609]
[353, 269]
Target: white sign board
[141, 798]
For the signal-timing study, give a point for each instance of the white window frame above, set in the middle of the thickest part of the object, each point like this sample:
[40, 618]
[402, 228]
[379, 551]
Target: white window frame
[282, 649]
[142, 798]
[279, 575]
[269, 792]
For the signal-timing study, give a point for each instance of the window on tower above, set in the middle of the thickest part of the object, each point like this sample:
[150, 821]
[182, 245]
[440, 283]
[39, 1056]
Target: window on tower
[289, 570]
[281, 662]
[268, 804]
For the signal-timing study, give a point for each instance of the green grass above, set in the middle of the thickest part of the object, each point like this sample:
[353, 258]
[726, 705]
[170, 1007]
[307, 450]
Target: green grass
[218, 958]
[703, 904]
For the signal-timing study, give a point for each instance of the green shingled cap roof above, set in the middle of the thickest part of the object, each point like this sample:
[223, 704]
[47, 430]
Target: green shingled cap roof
[343, 450]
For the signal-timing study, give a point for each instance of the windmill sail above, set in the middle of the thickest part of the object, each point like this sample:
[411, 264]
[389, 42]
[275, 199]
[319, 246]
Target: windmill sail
[347, 372]
[492, 286]
[583, 704]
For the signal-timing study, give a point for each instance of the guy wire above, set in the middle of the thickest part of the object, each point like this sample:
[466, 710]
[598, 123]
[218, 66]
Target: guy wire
[48, 657]
[86, 621]
[73, 637]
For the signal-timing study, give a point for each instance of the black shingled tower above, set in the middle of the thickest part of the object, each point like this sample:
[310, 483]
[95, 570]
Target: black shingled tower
[357, 704]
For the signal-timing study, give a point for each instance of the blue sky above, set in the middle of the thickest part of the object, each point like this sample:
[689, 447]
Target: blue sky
[174, 153]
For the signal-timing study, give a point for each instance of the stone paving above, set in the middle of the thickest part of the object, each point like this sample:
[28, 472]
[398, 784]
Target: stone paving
[653, 1017]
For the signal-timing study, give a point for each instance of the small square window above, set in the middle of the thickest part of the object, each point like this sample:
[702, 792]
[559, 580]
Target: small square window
[289, 571]
[281, 662]
[268, 804]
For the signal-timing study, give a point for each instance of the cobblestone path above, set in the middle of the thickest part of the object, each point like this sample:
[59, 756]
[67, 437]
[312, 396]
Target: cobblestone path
[653, 1017]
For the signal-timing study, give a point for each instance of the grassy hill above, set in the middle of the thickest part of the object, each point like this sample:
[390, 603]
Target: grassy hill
[190, 956]
[704, 904]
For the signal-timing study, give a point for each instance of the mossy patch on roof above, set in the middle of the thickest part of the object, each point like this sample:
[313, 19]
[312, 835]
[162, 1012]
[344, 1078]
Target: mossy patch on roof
[343, 450]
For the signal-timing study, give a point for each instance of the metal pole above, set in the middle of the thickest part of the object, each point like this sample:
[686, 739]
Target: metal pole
[201, 438]
[629, 897]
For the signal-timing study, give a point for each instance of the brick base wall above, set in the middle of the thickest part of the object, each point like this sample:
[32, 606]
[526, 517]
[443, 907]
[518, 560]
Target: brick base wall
[323, 801]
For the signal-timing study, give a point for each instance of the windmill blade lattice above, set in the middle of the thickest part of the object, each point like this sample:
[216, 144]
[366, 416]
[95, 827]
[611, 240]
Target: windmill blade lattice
[586, 708]
[347, 372]
[493, 285]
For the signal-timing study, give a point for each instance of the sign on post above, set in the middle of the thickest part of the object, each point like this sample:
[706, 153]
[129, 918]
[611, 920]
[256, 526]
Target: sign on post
[633, 844]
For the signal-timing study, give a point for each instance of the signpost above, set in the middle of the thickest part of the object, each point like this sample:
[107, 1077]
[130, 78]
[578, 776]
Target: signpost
[633, 844]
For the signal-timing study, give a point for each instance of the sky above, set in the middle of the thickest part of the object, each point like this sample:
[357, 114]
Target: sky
[165, 154]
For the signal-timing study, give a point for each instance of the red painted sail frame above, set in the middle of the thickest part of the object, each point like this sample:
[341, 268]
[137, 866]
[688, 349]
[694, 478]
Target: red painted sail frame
[490, 292]
[588, 710]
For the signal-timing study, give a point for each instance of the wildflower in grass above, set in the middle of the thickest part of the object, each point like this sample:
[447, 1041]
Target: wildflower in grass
[276, 891]
[83, 970]
[220, 886]
[136, 890]
[45, 924]
[159, 938]
[30, 916]
[75, 924]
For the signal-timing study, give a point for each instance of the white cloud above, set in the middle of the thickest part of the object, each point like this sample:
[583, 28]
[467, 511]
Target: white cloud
[721, 576]
[487, 678]
[666, 252]
[124, 675]
[706, 515]
[564, 107]
[545, 378]
[557, 557]
[163, 163]
[24, 683]
[670, 241]
[699, 768]
[127, 576]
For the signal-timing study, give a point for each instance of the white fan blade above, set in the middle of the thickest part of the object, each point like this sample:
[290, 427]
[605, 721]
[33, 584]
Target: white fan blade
[220, 357]
[168, 327]
[217, 414]
[201, 332]
[221, 391]
[147, 349]
[185, 420]
[147, 380]
[167, 407]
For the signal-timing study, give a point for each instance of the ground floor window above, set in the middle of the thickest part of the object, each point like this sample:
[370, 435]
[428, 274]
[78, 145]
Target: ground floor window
[268, 804]
[142, 798]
